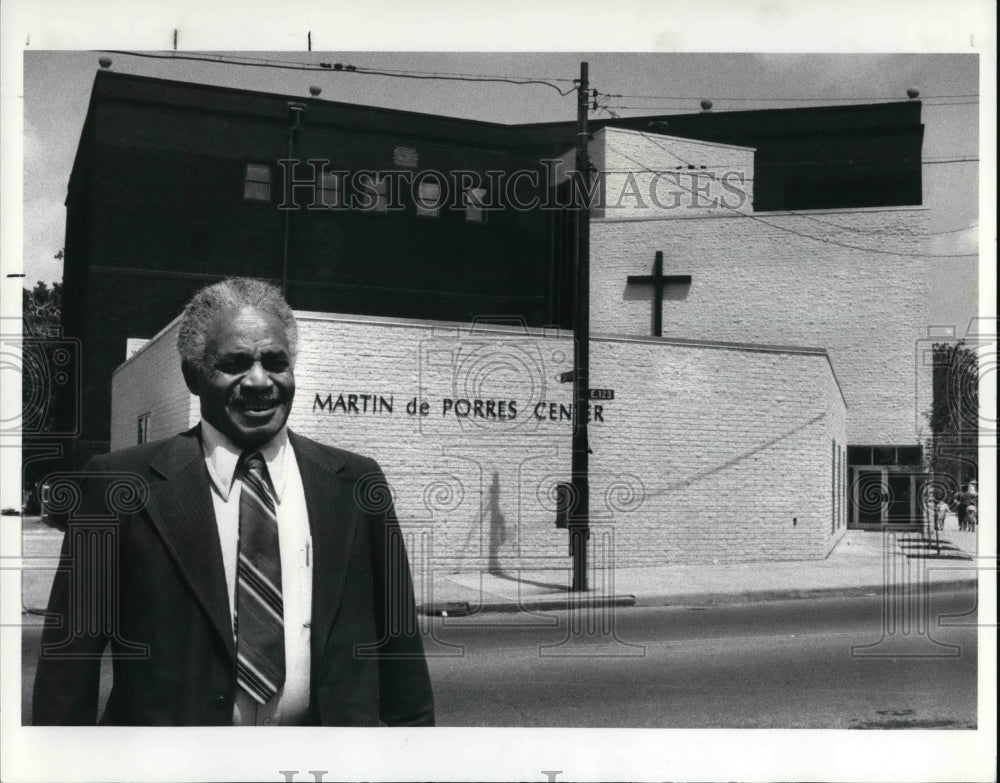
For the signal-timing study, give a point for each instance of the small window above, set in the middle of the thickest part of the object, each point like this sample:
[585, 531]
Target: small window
[833, 487]
[859, 455]
[884, 455]
[474, 200]
[405, 156]
[329, 190]
[372, 197]
[429, 199]
[257, 183]
[142, 434]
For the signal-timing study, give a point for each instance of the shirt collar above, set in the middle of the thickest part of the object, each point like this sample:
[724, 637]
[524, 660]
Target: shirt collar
[222, 456]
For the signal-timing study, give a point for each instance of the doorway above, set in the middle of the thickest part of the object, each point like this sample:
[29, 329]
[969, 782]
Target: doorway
[886, 496]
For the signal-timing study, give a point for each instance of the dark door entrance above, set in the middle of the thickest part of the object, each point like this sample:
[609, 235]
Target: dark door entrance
[886, 496]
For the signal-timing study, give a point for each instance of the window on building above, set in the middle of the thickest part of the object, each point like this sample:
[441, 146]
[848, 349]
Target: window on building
[142, 434]
[257, 182]
[405, 156]
[329, 190]
[373, 194]
[883, 455]
[842, 485]
[474, 210]
[833, 487]
[859, 455]
[429, 199]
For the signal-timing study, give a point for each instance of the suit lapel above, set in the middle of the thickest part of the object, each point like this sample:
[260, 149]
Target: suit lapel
[180, 506]
[333, 521]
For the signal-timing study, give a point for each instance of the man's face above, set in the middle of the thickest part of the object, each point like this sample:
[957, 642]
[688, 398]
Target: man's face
[247, 384]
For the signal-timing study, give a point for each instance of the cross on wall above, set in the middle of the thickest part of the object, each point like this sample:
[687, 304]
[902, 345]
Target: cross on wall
[659, 282]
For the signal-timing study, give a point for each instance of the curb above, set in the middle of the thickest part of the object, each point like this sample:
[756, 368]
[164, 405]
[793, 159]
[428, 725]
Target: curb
[761, 596]
[463, 608]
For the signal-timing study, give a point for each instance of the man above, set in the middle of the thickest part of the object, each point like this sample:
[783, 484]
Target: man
[255, 577]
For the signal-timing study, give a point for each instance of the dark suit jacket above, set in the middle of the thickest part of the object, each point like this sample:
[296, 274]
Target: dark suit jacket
[149, 580]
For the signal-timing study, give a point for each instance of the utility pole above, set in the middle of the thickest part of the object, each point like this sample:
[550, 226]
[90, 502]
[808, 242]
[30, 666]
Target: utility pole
[579, 518]
[295, 110]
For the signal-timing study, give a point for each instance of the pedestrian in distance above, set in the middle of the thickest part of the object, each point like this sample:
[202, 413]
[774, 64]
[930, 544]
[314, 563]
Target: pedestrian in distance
[961, 503]
[940, 514]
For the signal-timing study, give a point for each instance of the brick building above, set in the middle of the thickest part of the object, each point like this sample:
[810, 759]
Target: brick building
[409, 216]
[707, 451]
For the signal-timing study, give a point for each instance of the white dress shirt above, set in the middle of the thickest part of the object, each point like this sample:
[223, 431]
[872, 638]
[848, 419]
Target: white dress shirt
[290, 704]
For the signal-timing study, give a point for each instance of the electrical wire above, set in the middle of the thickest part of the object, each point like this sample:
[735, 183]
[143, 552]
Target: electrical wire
[950, 160]
[319, 68]
[814, 161]
[877, 231]
[656, 142]
[802, 233]
[778, 97]
[555, 87]
[686, 107]
[262, 62]
[479, 75]
[442, 76]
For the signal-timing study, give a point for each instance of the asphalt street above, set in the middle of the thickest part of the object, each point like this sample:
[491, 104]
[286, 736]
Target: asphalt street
[788, 664]
[833, 663]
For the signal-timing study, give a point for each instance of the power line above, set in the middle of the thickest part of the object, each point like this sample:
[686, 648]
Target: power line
[779, 97]
[930, 162]
[813, 161]
[877, 231]
[828, 161]
[521, 82]
[479, 75]
[951, 230]
[856, 247]
[688, 106]
[349, 69]
[802, 233]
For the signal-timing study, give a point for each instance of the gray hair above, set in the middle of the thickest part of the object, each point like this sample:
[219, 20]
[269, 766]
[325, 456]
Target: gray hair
[232, 293]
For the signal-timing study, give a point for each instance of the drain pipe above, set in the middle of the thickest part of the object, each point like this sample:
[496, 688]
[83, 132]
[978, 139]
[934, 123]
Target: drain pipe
[296, 110]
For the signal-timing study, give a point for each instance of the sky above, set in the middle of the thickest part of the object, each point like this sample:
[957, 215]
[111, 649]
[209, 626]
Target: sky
[57, 88]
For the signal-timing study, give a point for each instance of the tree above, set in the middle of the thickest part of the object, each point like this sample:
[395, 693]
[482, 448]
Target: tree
[954, 415]
[41, 309]
[41, 314]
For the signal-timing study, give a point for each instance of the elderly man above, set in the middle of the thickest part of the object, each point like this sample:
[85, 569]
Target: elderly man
[262, 580]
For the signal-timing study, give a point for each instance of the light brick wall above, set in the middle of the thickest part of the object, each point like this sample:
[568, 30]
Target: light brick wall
[731, 449]
[755, 280]
[151, 382]
[707, 452]
[662, 177]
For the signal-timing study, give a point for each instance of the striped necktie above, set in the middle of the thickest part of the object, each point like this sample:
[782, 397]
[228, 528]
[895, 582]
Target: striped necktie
[260, 635]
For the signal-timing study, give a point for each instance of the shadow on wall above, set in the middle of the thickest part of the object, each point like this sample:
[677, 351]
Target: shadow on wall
[498, 526]
[705, 474]
[498, 537]
[495, 524]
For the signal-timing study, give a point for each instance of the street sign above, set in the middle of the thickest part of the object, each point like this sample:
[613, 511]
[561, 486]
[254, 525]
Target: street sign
[602, 394]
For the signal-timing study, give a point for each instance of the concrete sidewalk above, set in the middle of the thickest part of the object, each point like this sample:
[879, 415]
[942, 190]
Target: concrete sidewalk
[862, 563]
